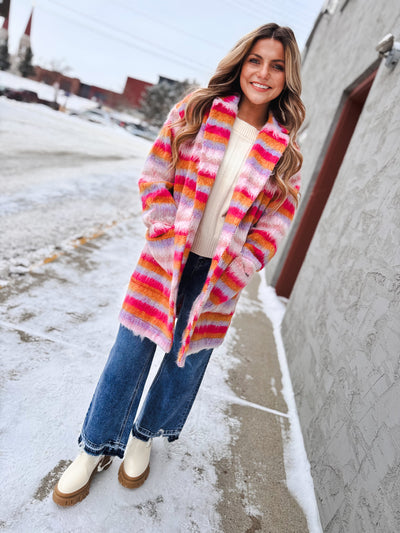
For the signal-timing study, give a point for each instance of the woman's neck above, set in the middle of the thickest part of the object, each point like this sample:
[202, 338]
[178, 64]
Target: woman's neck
[252, 114]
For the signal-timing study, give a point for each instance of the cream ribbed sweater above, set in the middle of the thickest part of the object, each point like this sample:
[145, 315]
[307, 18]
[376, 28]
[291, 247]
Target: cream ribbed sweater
[242, 138]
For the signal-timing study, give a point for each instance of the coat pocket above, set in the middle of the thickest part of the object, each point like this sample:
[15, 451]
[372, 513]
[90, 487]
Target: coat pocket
[162, 248]
[232, 281]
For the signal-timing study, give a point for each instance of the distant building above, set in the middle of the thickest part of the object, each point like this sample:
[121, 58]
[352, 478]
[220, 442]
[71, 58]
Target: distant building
[50, 77]
[134, 91]
[4, 32]
[23, 47]
[25, 41]
[131, 96]
[170, 81]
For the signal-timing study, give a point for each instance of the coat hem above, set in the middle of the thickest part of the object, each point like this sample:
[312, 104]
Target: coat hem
[143, 331]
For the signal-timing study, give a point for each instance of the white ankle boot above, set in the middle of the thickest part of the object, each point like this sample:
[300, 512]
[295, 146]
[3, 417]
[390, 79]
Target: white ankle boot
[74, 484]
[135, 467]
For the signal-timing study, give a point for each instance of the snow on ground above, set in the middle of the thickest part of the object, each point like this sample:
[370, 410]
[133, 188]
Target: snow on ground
[59, 320]
[53, 378]
[54, 183]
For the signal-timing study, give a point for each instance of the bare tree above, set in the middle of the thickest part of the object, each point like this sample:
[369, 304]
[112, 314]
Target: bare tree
[59, 65]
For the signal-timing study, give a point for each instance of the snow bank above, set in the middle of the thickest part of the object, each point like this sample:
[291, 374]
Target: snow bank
[298, 475]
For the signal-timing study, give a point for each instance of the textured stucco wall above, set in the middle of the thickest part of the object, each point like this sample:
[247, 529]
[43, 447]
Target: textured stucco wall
[342, 326]
[342, 49]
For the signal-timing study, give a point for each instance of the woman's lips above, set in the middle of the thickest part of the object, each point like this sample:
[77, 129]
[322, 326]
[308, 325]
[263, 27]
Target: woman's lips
[260, 86]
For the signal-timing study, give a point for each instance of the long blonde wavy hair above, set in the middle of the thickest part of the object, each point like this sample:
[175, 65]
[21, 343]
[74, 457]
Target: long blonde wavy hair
[288, 109]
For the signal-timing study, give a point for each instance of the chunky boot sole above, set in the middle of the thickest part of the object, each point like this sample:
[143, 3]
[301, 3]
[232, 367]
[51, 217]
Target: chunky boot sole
[132, 482]
[71, 498]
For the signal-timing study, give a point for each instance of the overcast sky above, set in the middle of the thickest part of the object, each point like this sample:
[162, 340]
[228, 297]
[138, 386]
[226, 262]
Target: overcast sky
[105, 41]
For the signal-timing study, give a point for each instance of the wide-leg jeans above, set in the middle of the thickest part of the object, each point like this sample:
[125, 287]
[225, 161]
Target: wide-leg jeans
[111, 416]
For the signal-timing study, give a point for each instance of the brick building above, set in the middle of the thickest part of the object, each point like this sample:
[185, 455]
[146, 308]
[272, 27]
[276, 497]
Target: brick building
[130, 97]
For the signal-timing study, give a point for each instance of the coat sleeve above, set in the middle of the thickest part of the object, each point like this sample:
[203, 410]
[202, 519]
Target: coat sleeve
[156, 190]
[265, 236]
[260, 246]
[157, 180]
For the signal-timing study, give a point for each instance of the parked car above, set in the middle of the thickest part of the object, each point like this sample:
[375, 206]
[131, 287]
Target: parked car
[3, 90]
[141, 131]
[95, 115]
[22, 95]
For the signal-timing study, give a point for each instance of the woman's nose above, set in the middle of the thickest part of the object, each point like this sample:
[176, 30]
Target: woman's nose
[265, 71]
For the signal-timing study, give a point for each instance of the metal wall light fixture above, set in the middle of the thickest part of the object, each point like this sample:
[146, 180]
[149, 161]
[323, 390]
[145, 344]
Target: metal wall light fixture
[390, 49]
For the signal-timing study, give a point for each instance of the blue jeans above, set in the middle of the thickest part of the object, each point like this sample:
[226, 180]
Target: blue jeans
[111, 415]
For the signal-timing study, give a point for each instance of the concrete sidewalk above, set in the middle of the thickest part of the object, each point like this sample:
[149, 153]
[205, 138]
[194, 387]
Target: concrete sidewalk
[226, 472]
[255, 471]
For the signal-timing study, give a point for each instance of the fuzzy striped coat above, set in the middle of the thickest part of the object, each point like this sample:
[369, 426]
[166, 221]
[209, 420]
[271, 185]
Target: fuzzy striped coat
[173, 202]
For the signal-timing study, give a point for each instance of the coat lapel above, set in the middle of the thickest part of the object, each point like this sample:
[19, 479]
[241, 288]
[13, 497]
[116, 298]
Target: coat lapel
[270, 144]
[217, 131]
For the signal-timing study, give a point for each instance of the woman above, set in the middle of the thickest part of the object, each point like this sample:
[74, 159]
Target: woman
[219, 190]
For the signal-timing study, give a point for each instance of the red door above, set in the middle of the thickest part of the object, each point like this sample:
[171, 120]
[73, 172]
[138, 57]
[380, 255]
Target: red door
[319, 196]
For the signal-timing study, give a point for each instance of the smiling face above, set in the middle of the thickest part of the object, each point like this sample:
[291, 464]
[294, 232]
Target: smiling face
[262, 78]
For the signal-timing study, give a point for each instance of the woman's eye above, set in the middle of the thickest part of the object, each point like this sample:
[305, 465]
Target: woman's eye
[254, 60]
[279, 67]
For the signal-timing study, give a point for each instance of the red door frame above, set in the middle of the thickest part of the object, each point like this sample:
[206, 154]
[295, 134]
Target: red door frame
[323, 185]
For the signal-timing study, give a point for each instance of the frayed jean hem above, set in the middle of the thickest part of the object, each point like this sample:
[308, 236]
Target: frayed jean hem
[109, 448]
[145, 435]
